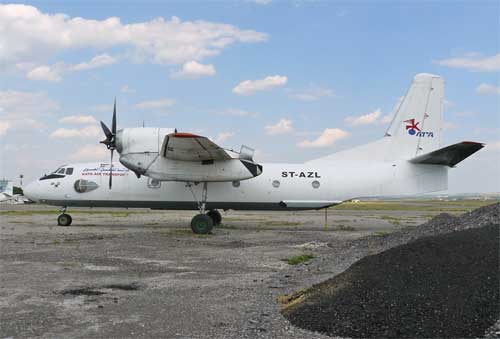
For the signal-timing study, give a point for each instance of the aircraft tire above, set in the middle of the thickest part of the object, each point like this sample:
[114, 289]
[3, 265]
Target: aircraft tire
[64, 220]
[216, 217]
[202, 224]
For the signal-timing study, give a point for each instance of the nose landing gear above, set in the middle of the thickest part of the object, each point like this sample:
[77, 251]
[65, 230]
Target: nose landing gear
[203, 223]
[64, 219]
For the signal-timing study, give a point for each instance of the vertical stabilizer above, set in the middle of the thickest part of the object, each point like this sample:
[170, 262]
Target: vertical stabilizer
[417, 125]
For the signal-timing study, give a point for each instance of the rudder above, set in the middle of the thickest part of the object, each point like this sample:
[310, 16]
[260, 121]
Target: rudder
[417, 125]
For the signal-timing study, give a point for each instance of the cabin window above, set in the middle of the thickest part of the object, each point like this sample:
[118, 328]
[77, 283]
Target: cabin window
[315, 184]
[84, 186]
[236, 183]
[276, 183]
[69, 171]
[154, 183]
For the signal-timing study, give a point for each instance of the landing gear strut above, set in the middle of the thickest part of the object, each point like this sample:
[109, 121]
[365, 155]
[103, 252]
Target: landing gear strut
[203, 223]
[64, 219]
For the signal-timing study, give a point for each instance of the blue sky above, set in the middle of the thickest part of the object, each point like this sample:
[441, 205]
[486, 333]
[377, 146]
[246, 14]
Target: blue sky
[309, 66]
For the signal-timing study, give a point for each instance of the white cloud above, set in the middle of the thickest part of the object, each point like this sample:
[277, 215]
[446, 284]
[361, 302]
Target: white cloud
[44, 73]
[249, 87]
[18, 105]
[55, 72]
[261, 2]
[78, 119]
[86, 132]
[193, 70]
[284, 126]
[34, 36]
[90, 153]
[4, 126]
[237, 112]
[326, 139]
[155, 104]
[366, 119]
[312, 94]
[474, 62]
[127, 89]
[386, 119]
[487, 89]
[223, 137]
[95, 62]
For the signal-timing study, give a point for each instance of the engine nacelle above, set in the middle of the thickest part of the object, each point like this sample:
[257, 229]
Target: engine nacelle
[140, 149]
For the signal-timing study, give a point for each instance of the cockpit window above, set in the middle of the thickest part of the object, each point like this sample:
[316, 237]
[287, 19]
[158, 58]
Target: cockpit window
[61, 171]
[69, 171]
[83, 186]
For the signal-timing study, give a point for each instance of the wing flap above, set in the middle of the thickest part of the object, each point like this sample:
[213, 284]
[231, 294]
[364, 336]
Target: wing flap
[450, 155]
[191, 147]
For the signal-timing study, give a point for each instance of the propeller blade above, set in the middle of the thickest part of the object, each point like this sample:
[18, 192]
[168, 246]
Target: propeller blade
[106, 131]
[113, 125]
[111, 171]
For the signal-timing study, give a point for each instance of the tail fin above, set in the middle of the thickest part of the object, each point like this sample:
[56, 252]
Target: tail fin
[417, 125]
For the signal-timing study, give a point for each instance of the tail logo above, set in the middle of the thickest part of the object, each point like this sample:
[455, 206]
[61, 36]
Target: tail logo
[412, 126]
[413, 129]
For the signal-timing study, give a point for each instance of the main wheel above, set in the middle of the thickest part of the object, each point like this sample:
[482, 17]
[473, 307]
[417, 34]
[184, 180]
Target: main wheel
[216, 217]
[202, 224]
[64, 220]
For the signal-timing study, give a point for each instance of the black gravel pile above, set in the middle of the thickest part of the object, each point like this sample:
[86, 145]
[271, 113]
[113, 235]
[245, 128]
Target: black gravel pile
[442, 223]
[444, 286]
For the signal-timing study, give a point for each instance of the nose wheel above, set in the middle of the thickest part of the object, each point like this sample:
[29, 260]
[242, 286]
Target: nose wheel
[64, 219]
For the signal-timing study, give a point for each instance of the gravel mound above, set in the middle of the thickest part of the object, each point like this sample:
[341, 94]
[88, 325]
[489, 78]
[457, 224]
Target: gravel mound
[443, 284]
[442, 223]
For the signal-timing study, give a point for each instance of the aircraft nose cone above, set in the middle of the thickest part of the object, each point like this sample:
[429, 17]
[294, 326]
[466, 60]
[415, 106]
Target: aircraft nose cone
[31, 191]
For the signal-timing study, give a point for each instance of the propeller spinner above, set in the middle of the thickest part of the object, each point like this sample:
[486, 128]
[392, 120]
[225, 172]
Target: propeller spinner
[110, 141]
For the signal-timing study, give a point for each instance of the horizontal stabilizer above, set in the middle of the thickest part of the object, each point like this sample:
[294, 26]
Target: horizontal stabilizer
[450, 155]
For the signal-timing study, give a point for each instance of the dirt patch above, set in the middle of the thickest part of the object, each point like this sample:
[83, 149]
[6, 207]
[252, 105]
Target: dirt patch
[96, 290]
[123, 287]
[443, 286]
[87, 291]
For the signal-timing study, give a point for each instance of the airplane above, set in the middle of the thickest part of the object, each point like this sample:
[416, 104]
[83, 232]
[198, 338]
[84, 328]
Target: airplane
[7, 194]
[6, 190]
[164, 169]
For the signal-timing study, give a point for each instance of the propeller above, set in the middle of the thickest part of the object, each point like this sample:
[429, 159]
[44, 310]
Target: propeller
[110, 141]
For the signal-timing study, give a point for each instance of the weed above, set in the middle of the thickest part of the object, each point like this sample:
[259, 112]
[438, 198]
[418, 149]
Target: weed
[299, 259]
[381, 233]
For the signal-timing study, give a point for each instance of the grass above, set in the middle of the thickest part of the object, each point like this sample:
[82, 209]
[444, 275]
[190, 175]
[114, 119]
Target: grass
[345, 228]
[299, 259]
[181, 232]
[281, 223]
[415, 205]
[227, 227]
[55, 212]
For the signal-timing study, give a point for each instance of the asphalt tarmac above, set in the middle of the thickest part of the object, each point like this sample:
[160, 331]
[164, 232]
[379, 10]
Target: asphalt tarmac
[140, 273]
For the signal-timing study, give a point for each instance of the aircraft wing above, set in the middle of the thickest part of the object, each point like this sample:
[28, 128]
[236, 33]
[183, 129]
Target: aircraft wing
[191, 147]
[450, 155]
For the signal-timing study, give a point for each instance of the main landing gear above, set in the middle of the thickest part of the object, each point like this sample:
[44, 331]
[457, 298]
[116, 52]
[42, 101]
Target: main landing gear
[64, 219]
[203, 223]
